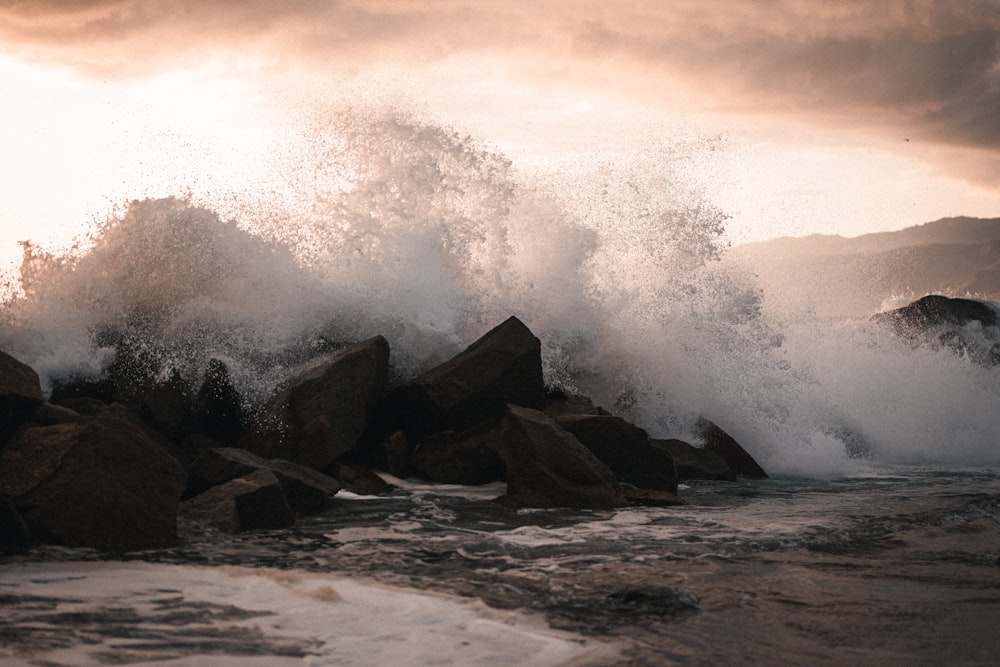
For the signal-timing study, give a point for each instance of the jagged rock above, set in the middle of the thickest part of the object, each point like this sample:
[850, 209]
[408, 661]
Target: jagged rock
[936, 310]
[306, 490]
[716, 440]
[625, 448]
[15, 537]
[254, 501]
[322, 412]
[358, 479]
[93, 482]
[651, 497]
[965, 326]
[504, 366]
[560, 404]
[692, 462]
[20, 395]
[218, 408]
[467, 457]
[548, 467]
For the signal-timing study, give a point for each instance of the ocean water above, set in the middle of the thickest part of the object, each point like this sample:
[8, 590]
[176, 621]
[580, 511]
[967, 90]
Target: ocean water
[876, 541]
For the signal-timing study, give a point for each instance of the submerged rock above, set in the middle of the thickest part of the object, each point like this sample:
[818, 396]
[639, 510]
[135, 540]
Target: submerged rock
[548, 467]
[93, 482]
[503, 367]
[322, 412]
[651, 497]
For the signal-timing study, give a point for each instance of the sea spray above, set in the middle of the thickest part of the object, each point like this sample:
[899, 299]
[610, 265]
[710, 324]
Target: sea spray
[396, 226]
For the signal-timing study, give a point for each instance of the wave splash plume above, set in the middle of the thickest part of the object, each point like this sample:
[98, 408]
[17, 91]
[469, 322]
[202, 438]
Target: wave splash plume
[400, 227]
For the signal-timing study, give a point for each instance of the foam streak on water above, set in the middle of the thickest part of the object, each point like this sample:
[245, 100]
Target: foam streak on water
[897, 568]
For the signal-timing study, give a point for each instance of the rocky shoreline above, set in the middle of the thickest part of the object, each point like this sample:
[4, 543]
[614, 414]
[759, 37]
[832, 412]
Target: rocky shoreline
[114, 464]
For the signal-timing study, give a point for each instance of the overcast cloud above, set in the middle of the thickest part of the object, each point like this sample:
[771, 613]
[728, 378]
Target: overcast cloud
[925, 69]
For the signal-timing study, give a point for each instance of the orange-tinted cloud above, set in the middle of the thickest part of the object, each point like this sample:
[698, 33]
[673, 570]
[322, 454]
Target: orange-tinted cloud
[927, 68]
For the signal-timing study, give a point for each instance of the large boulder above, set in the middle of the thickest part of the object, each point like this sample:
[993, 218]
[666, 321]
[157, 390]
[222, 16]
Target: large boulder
[93, 482]
[692, 462]
[322, 412]
[935, 310]
[965, 326]
[714, 439]
[467, 457]
[305, 489]
[625, 448]
[20, 394]
[503, 367]
[253, 502]
[548, 467]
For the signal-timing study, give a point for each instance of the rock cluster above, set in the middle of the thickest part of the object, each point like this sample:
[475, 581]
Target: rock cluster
[113, 465]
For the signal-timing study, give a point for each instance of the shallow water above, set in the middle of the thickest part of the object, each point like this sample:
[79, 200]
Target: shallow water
[900, 567]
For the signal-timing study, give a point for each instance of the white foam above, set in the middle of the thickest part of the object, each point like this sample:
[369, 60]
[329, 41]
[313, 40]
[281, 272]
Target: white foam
[334, 620]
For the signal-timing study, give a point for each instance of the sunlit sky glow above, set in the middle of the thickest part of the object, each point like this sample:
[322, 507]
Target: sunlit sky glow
[801, 116]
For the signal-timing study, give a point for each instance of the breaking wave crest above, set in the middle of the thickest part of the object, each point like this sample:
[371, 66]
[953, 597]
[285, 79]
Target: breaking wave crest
[391, 225]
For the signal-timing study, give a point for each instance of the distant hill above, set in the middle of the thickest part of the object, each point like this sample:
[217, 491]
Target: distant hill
[856, 277]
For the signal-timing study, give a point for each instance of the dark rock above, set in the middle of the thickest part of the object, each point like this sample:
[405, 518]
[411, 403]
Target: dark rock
[20, 395]
[942, 322]
[504, 366]
[306, 490]
[467, 457]
[166, 406]
[935, 310]
[252, 502]
[559, 404]
[651, 497]
[94, 482]
[48, 414]
[548, 467]
[84, 405]
[322, 412]
[67, 389]
[696, 462]
[358, 479]
[15, 537]
[218, 408]
[716, 440]
[625, 448]
[393, 455]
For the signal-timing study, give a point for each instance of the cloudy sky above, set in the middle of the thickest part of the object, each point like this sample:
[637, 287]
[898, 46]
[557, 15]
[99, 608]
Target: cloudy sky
[799, 116]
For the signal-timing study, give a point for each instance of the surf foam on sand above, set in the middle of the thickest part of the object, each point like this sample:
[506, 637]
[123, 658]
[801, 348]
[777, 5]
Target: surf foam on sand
[139, 613]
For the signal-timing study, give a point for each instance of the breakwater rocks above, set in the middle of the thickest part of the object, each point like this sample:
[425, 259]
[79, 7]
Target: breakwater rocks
[114, 464]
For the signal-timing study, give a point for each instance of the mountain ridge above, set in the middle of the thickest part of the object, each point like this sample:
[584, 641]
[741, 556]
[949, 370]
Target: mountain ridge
[858, 276]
